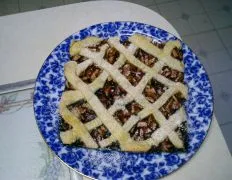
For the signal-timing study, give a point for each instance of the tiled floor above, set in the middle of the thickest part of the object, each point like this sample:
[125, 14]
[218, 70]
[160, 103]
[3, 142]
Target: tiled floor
[205, 25]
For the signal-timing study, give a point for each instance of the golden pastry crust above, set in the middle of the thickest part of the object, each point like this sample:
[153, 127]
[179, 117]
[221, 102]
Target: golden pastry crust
[108, 71]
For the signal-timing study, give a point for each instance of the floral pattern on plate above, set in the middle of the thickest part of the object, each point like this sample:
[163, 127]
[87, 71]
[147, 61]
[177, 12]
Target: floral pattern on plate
[107, 164]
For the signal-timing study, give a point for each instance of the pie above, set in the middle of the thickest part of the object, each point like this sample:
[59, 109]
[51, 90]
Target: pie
[124, 95]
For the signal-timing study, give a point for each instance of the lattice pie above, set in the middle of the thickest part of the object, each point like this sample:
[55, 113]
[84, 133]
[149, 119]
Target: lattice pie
[126, 95]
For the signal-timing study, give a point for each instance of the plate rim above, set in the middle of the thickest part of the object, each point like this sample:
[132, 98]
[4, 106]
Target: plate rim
[136, 22]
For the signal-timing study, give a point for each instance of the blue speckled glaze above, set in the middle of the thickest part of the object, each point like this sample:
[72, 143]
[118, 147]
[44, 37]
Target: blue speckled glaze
[113, 164]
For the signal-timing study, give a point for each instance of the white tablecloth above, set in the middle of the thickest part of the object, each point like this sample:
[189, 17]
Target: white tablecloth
[26, 39]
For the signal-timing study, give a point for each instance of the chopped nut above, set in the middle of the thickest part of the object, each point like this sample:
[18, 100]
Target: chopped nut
[110, 92]
[172, 105]
[141, 133]
[150, 93]
[100, 133]
[153, 90]
[143, 129]
[142, 124]
[146, 58]
[111, 55]
[132, 73]
[122, 116]
[133, 107]
[78, 58]
[177, 54]
[166, 146]
[82, 110]
[148, 130]
[172, 74]
[90, 74]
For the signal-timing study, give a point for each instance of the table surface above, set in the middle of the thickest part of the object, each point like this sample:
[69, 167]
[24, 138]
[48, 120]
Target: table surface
[31, 37]
[26, 39]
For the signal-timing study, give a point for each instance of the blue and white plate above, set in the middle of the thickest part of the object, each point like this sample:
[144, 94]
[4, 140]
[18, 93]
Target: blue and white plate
[106, 164]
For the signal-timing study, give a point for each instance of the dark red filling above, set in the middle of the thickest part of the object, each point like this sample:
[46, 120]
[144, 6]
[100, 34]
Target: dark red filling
[153, 90]
[132, 108]
[182, 130]
[122, 116]
[164, 146]
[110, 92]
[172, 74]
[96, 48]
[143, 129]
[114, 145]
[63, 125]
[111, 55]
[68, 86]
[78, 58]
[82, 110]
[77, 143]
[146, 58]
[132, 73]
[172, 105]
[159, 45]
[177, 53]
[90, 73]
[100, 133]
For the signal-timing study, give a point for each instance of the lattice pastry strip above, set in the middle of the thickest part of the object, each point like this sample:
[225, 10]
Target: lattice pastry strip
[78, 130]
[168, 93]
[163, 55]
[115, 128]
[136, 92]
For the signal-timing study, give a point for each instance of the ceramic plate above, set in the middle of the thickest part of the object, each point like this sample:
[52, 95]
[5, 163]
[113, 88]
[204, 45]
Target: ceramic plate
[105, 164]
